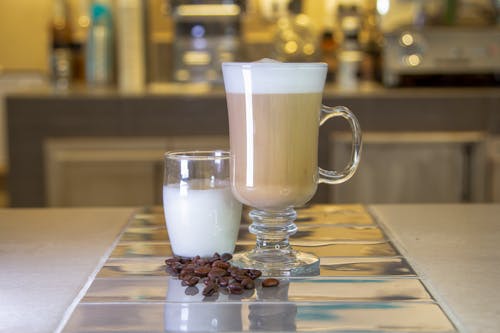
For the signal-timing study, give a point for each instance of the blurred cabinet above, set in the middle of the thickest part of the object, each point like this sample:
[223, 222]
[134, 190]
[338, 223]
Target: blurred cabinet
[112, 171]
[493, 169]
[412, 167]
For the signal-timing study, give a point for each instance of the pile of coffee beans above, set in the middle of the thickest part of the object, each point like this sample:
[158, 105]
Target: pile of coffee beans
[215, 272]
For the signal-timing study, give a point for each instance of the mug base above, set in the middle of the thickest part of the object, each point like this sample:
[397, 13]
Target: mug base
[277, 262]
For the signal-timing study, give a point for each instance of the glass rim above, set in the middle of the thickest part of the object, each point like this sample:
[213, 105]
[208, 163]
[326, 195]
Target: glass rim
[277, 65]
[197, 155]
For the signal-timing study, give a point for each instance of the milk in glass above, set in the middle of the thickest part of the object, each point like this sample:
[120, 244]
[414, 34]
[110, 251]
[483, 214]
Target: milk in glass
[201, 220]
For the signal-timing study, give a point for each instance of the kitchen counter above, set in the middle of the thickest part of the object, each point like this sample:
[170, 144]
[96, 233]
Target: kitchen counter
[58, 264]
[196, 110]
[456, 251]
[46, 257]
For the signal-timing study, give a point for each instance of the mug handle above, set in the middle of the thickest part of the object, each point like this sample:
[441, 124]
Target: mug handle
[334, 177]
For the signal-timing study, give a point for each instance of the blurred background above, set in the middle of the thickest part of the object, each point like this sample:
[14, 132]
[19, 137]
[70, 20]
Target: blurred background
[145, 48]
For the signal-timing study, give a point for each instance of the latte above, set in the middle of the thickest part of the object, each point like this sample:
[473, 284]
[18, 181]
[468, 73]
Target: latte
[274, 142]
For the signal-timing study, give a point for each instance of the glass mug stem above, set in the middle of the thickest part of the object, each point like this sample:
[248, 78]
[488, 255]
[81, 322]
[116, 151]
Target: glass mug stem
[272, 229]
[335, 177]
[273, 254]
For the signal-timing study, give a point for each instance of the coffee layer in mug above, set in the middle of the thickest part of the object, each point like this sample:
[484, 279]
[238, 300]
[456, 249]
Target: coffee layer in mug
[274, 147]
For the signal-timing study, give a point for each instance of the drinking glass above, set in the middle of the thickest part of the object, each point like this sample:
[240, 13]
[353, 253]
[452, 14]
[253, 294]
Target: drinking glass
[201, 214]
[274, 112]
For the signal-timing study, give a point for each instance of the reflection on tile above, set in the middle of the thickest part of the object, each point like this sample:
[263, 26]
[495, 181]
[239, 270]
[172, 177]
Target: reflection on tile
[306, 232]
[155, 289]
[328, 233]
[379, 317]
[364, 285]
[141, 250]
[325, 218]
[131, 267]
[350, 289]
[160, 289]
[116, 317]
[365, 266]
[321, 249]
[366, 249]
[156, 249]
[260, 316]
[143, 234]
[334, 209]
[329, 266]
[321, 213]
[139, 289]
[326, 214]
[335, 249]
[150, 220]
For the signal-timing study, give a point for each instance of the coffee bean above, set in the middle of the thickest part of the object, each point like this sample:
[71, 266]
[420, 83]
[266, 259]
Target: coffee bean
[171, 261]
[270, 282]
[224, 281]
[254, 273]
[226, 257]
[202, 271]
[240, 276]
[191, 291]
[247, 283]
[216, 273]
[215, 257]
[235, 288]
[170, 270]
[210, 289]
[221, 264]
[185, 275]
[201, 262]
[192, 281]
[174, 267]
[234, 271]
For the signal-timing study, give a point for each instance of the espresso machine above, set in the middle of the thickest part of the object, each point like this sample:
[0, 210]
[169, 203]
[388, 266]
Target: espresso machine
[443, 42]
[206, 34]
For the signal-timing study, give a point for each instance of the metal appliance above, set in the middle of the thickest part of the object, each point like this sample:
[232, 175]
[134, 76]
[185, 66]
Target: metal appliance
[468, 53]
[207, 33]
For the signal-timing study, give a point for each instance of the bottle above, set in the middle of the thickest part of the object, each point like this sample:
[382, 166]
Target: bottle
[60, 55]
[350, 54]
[99, 64]
[79, 39]
[329, 53]
[130, 45]
[330, 40]
[370, 39]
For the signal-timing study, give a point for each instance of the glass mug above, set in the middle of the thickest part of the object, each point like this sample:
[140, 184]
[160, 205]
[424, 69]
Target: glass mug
[274, 112]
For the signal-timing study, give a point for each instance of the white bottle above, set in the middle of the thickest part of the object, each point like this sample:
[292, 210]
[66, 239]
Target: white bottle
[130, 45]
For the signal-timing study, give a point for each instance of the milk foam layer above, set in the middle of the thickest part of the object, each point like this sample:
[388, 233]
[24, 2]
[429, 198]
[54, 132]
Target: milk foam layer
[273, 77]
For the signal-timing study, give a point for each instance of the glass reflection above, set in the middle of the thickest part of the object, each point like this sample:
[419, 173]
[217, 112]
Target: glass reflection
[189, 311]
[268, 309]
[272, 311]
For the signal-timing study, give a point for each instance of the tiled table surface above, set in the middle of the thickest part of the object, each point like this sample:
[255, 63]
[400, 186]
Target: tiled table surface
[365, 285]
